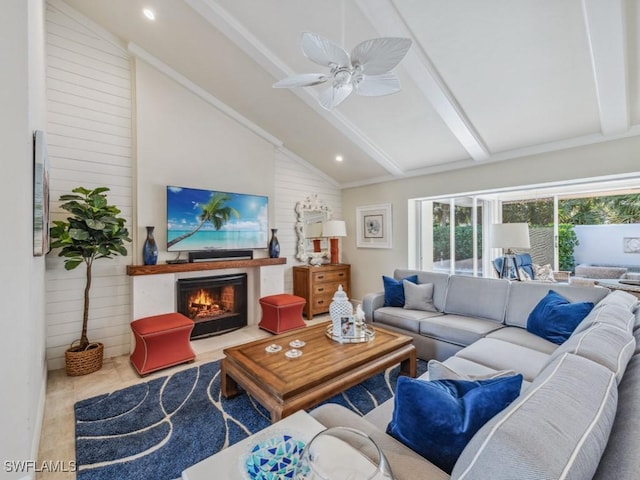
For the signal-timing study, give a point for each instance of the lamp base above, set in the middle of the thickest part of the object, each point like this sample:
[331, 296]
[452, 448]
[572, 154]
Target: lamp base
[334, 250]
[508, 260]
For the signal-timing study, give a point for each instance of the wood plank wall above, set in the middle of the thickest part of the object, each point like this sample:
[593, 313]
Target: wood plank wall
[295, 181]
[89, 144]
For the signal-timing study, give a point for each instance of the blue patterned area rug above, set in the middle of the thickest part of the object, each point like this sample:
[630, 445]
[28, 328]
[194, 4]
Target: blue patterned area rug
[155, 430]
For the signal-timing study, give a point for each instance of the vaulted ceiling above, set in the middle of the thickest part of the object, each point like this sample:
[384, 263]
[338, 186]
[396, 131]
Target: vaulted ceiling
[484, 81]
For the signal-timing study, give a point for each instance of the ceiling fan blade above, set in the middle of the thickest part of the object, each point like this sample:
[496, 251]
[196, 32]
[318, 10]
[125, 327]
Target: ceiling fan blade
[322, 51]
[380, 55]
[378, 85]
[302, 80]
[333, 96]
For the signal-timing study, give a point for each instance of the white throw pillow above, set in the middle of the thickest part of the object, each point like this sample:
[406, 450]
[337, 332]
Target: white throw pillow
[543, 273]
[524, 275]
[418, 297]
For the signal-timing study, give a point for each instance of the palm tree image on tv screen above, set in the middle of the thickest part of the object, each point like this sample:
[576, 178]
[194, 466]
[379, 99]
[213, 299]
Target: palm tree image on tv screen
[206, 220]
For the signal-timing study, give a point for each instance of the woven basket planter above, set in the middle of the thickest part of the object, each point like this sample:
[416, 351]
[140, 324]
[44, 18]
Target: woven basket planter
[82, 362]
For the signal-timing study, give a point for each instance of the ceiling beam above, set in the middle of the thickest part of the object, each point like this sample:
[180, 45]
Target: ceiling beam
[386, 19]
[222, 20]
[605, 24]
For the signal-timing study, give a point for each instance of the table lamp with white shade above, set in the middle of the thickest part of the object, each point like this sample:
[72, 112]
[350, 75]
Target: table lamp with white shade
[509, 236]
[333, 229]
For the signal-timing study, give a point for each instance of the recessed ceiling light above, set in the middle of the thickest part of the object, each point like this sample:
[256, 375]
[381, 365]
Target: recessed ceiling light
[149, 14]
[339, 158]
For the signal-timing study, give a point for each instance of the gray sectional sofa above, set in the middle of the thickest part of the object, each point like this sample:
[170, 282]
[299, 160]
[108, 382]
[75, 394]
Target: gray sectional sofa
[576, 416]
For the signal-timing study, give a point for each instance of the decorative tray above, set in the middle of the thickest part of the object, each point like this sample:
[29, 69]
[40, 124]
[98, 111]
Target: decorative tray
[362, 334]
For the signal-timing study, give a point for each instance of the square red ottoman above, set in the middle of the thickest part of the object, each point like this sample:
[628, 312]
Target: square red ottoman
[281, 313]
[161, 341]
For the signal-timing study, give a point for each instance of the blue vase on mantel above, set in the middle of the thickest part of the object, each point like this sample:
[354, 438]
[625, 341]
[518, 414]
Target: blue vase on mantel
[274, 244]
[150, 248]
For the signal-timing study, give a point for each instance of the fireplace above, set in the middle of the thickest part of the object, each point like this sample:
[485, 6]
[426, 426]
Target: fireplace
[216, 304]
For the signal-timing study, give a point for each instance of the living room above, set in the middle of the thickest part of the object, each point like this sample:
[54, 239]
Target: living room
[181, 138]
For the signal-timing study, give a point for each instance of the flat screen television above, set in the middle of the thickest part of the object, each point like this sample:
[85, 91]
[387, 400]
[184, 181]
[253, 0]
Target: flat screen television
[209, 219]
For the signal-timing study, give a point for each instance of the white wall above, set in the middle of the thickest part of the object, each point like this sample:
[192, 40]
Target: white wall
[22, 284]
[604, 244]
[184, 141]
[609, 158]
[89, 145]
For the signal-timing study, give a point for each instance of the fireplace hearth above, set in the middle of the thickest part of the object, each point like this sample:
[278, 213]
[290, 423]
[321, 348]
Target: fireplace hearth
[216, 304]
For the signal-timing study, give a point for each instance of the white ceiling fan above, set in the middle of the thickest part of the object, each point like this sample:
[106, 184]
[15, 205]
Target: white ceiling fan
[367, 71]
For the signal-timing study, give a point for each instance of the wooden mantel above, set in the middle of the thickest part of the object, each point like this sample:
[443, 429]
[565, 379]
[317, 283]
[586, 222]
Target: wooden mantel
[134, 270]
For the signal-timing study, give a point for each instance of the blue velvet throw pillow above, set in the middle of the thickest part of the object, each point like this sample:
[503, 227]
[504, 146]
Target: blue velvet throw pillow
[555, 318]
[437, 418]
[394, 290]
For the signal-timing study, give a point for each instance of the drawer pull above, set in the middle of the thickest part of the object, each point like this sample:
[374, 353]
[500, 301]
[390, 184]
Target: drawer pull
[320, 301]
[321, 289]
[320, 277]
[341, 274]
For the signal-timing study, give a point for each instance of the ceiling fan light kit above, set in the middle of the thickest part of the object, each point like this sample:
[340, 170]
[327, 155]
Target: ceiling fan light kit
[367, 71]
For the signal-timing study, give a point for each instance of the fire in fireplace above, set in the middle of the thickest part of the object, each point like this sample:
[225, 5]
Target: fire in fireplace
[216, 304]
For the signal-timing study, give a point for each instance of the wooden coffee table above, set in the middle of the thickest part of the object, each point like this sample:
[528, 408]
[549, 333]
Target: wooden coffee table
[284, 386]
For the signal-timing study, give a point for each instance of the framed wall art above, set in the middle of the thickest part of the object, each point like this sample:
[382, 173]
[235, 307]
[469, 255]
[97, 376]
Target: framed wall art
[40, 194]
[374, 226]
[631, 244]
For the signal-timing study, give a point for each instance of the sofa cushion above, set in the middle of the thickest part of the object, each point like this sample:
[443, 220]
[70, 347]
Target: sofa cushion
[451, 411]
[520, 336]
[457, 329]
[557, 429]
[621, 458]
[440, 283]
[471, 368]
[405, 463]
[402, 318]
[418, 297]
[605, 344]
[394, 290]
[440, 371]
[621, 298]
[555, 318]
[524, 296]
[501, 355]
[477, 297]
[610, 313]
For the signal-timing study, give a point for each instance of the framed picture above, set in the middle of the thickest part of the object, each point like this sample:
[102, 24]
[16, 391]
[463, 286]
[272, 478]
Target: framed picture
[348, 326]
[40, 194]
[374, 226]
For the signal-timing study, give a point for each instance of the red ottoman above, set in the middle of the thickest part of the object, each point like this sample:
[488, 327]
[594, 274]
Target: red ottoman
[281, 313]
[161, 341]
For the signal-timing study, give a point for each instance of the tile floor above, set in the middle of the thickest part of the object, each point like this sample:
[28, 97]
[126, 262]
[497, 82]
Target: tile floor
[57, 437]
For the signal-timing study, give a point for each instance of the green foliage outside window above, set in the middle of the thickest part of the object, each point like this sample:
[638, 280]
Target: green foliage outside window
[567, 242]
[464, 242]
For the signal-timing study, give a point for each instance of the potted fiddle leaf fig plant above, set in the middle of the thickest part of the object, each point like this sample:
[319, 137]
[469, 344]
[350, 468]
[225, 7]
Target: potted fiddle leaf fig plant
[93, 231]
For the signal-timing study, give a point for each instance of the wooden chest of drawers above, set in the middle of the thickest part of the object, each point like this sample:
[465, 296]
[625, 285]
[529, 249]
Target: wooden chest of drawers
[318, 284]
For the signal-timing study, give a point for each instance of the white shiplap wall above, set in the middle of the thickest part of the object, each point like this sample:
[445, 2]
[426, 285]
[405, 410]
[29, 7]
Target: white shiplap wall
[89, 144]
[295, 181]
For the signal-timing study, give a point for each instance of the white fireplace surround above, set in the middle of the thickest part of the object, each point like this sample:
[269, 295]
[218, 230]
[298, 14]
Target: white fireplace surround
[156, 294]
